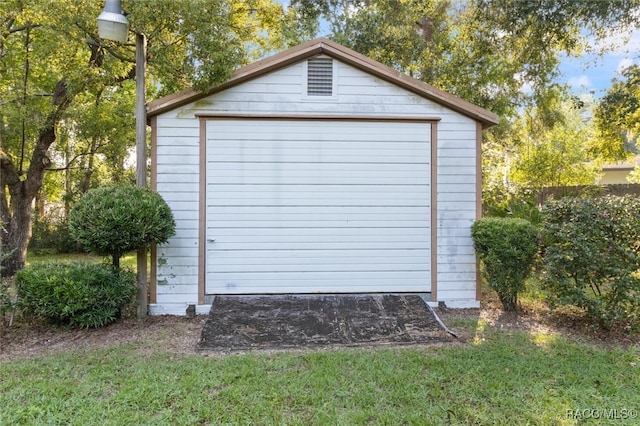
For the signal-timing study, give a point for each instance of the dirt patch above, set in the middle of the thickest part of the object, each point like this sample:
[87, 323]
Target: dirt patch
[277, 322]
[534, 317]
[180, 335]
[28, 339]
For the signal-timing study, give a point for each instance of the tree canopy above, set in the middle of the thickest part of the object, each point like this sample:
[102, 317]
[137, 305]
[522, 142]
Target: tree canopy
[112, 220]
[618, 117]
[67, 96]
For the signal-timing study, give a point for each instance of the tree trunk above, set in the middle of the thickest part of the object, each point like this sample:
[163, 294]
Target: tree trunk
[15, 213]
[39, 206]
[509, 302]
[88, 172]
[16, 236]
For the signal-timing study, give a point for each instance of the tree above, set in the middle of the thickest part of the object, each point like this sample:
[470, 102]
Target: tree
[555, 155]
[115, 219]
[53, 67]
[617, 118]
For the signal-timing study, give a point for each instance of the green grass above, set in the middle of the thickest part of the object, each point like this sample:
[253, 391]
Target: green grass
[42, 256]
[503, 379]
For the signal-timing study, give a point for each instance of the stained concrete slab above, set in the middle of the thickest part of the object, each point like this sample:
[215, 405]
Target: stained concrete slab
[240, 323]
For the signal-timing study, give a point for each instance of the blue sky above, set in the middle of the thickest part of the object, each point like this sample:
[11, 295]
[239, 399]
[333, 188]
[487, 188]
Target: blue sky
[594, 73]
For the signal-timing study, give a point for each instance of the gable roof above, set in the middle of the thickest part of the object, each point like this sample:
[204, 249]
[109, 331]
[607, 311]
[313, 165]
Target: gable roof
[338, 52]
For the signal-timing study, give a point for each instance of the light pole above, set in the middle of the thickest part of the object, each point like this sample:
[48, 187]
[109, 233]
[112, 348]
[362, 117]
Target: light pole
[113, 25]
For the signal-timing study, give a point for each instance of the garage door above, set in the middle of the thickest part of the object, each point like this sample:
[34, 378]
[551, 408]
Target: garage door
[309, 206]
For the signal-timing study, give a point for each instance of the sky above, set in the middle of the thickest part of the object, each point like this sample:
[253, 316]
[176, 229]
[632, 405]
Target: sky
[592, 73]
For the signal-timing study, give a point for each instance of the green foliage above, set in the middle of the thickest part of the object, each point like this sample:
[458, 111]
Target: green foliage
[7, 304]
[52, 232]
[617, 118]
[507, 248]
[81, 294]
[521, 206]
[120, 218]
[544, 147]
[553, 154]
[634, 176]
[592, 257]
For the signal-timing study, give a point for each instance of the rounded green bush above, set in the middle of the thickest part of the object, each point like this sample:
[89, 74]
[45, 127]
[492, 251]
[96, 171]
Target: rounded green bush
[116, 219]
[507, 248]
[81, 294]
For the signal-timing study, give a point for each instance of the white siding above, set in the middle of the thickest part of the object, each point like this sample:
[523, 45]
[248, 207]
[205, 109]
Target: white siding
[456, 211]
[322, 235]
[177, 180]
[281, 92]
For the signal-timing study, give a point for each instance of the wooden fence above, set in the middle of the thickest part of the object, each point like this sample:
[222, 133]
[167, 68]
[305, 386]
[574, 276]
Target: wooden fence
[591, 190]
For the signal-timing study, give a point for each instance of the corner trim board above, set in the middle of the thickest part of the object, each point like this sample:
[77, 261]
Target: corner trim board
[153, 273]
[434, 211]
[202, 214]
[478, 200]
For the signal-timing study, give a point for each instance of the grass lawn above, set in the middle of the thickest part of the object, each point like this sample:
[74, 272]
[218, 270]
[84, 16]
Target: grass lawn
[497, 376]
[41, 256]
[501, 378]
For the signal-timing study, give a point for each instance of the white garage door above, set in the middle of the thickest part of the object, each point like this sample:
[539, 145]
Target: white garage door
[308, 206]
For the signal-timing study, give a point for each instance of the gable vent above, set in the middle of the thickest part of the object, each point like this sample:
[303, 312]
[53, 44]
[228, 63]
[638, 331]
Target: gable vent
[320, 77]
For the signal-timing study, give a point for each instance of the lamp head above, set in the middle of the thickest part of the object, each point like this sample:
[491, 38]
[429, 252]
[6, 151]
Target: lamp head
[112, 24]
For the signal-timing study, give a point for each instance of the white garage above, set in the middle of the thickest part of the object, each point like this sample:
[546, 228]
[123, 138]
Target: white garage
[316, 171]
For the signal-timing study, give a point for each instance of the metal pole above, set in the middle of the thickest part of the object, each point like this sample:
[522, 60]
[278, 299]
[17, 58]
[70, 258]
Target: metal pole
[141, 158]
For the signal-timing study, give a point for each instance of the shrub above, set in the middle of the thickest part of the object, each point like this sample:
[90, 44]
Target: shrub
[54, 234]
[6, 300]
[507, 248]
[81, 294]
[521, 207]
[592, 256]
[120, 218]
